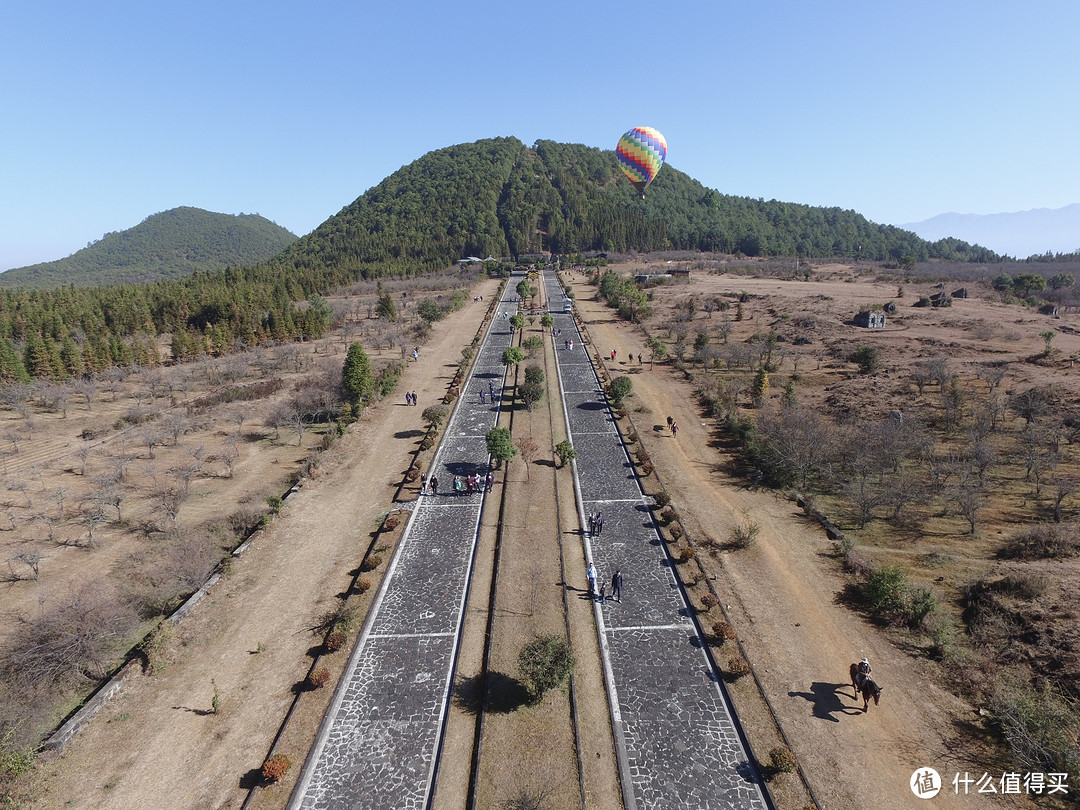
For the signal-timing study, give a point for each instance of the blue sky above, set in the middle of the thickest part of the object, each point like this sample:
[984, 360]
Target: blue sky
[113, 111]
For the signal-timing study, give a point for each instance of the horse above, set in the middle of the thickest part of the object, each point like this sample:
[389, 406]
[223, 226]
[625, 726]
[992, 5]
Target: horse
[865, 684]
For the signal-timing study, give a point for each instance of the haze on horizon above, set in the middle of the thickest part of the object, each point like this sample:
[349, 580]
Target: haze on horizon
[900, 114]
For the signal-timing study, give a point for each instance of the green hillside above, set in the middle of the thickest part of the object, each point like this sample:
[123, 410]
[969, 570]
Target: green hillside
[494, 197]
[172, 244]
[498, 197]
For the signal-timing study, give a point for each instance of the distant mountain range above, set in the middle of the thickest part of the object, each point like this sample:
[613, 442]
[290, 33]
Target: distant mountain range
[171, 244]
[1020, 234]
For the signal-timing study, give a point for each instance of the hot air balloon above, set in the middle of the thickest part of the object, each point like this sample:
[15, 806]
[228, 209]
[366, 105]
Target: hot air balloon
[641, 153]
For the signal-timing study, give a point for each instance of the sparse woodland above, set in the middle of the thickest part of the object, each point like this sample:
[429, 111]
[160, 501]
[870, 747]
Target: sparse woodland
[125, 489]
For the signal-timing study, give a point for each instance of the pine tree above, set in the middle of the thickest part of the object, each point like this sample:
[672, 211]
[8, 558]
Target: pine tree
[357, 377]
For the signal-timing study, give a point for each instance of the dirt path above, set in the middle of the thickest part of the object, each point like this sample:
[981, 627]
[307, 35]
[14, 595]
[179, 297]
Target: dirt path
[781, 595]
[158, 744]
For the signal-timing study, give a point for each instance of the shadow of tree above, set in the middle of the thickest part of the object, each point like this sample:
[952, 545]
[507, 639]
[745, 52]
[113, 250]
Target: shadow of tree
[826, 701]
[504, 693]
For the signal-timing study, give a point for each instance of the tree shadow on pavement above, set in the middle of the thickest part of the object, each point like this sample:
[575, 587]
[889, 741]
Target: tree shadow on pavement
[826, 700]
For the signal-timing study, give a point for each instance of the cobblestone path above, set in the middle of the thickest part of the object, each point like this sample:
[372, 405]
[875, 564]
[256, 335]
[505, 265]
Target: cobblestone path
[679, 744]
[378, 746]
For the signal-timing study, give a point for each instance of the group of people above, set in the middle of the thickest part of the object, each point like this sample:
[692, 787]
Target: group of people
[410, 398]
[596, 524]
[601, 594]
[569, 345]
[468, 484]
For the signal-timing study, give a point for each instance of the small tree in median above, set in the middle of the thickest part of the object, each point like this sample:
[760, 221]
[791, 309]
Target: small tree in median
[566, 452]
[500, 444]
[545, 662]
[512, 356]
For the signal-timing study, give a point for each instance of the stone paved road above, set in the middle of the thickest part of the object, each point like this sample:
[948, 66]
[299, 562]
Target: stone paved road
[679, 744]
[378, 746]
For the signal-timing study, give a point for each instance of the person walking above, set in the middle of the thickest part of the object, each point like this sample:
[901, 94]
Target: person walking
[590, 575]
[616, 586]
[599, 524]
[434, 483]
[490, 481]
[413, 397]
[674, 429]
[423, 483]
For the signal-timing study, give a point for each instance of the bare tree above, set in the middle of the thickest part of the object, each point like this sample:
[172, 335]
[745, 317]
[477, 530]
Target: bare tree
[1064, 487]
[175, 424]
[29, 563]
[86, 388]
[152, 436]
[58, 496]
[970, 497]
[528, 448]
[798, 441]
[229, 453]
[69, 638]
[83, 454]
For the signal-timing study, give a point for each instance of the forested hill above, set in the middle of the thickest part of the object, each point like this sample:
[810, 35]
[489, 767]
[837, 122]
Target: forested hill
[172, 244]
[497, 197]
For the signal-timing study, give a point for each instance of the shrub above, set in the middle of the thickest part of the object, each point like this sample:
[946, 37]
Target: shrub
[336, 640]
[686, 554]
[1040, 727]
[566, 452]
[318, 678]
[392, 522]
[743, 536]
[781, 760]
[362, 585]
[723, 631]
[545, 662]
[371, 562]
[646, 467]
[661, 499]
[413, 473]
[676, 531]
[884, 592]
[736, 668]
[276, 767]
[1042, 542]
[709, 601]
[669, 514]
[434, 416]
[619, 389]
[921, 604]
[275, 502]
[868, 358]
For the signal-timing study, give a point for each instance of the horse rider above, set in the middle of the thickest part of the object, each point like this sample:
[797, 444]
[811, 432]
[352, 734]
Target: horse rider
[864, 668]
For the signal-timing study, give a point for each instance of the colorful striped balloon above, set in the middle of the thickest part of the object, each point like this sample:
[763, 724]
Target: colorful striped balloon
[641, 153]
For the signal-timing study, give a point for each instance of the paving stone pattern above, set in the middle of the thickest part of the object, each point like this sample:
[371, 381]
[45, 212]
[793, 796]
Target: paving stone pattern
[378, 745]
[679, 745]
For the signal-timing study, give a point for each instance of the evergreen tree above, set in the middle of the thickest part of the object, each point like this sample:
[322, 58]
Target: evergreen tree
[357, 377]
